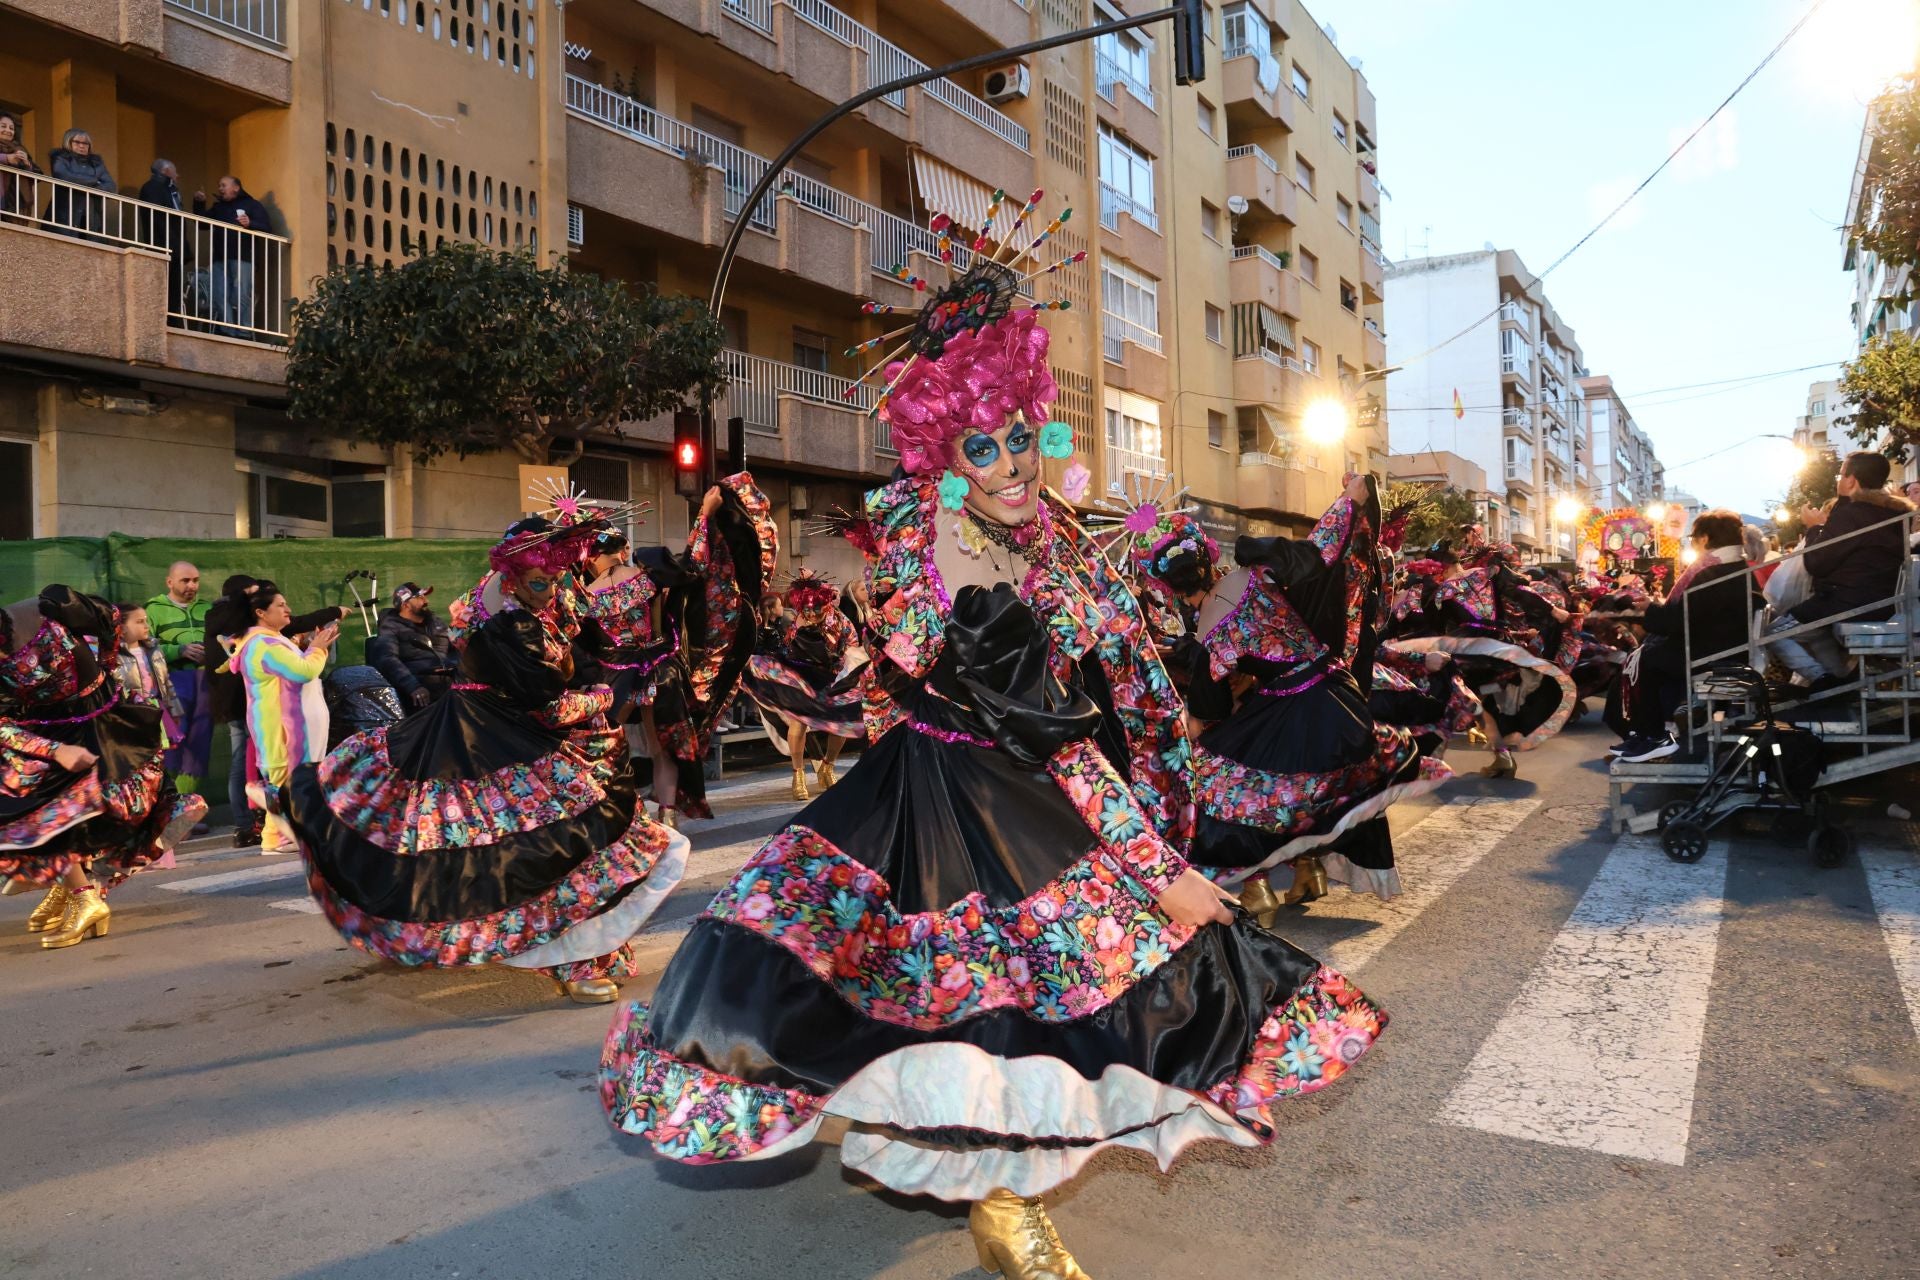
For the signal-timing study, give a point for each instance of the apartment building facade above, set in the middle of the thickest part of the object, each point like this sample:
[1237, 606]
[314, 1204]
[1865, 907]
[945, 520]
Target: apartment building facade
[626, 136]
[1489, 370]
[1811, 430]
[1878, 307]
[1626, 470]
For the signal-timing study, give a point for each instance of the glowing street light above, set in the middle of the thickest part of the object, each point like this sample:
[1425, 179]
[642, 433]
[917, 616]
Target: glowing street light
[1324, 421]
[1568, 509]
[1782, 514]
[1655, 510]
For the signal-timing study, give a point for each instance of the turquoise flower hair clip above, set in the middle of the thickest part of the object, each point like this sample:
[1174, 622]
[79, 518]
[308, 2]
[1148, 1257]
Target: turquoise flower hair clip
[1056, 440]
[953, 489]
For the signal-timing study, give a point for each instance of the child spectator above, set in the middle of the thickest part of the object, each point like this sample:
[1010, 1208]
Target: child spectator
[140, 673]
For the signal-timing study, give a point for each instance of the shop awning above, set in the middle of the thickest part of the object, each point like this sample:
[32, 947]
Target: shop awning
[944, 189]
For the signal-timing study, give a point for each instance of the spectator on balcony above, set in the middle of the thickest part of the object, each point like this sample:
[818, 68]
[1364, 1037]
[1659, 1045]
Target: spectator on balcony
[165, 231]
[16, 197]
[1847, 573]
[75, 161]
[233, 255]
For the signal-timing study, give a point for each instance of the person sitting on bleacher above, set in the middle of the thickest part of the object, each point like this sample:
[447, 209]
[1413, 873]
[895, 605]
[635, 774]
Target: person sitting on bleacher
[1710, 611]
[1845, 574]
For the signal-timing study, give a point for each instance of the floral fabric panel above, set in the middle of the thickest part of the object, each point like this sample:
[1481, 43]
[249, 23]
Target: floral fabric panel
[46, 669]
[1472, 593]
[584, 893]
[625, 611]
[1263, 625]
[1291, 803]
[370, 797]
[1314, 1040]
[1068, 950]
[727, 610]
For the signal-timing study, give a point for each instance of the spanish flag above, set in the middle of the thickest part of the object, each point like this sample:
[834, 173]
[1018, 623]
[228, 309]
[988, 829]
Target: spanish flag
[1459, 405]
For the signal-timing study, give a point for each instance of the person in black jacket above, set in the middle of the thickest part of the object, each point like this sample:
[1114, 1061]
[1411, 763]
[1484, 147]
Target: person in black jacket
[410, 647]
[1710, 612]
[233, 256]
[226, 620]
[163, 229]
[1847, 572]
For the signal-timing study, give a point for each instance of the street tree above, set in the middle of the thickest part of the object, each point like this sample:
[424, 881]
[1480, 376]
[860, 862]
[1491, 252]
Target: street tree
[1881, 387]
[1814, 486]
[464, 350]
[1434, 511]
[1891, 195]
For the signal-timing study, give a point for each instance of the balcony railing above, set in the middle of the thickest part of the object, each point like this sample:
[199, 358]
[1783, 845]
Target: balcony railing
[1117, 331]
[221, 278]
[1275, 358]
[1373, 327]
[894, 238]
[756, 384]
[1258, 153]
[1518, 419]
[1513, 313]
[1108, 73]
[1123, 461]
[888, 61]
[1114, 202]
[757, 14]
[1369, 226]
[1261, 252]
[261, 20]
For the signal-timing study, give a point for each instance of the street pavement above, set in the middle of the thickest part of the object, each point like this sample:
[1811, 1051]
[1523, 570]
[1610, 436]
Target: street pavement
[1601, 1064]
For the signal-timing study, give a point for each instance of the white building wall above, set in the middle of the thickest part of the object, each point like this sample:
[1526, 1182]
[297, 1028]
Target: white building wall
[1429, 304]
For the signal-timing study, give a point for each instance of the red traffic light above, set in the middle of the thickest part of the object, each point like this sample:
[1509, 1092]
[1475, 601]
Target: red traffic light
[686, 455]
[688, 460]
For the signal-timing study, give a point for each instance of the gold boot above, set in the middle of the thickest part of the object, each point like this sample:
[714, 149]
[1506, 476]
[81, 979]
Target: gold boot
[667, 817]
[1309, 883]
[1014, 1237]
[1260, 901]
[52, 909]
[800, 791]
[589, 990]
[823, 774]
[1502, 766]
[87, 917]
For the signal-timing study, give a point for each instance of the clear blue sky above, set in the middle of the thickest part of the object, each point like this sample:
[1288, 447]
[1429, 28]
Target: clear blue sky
[1522, 124]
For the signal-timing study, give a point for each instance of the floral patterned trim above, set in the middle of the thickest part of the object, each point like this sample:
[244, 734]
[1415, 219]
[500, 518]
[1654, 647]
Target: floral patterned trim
[625, 610]
[370, 797]
[1069, 949]
[25, 742]
[584, 893]
[696, 1115]
[1289, 803]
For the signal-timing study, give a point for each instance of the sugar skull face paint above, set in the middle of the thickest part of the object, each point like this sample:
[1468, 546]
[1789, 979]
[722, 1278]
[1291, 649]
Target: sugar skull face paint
[1002, 470]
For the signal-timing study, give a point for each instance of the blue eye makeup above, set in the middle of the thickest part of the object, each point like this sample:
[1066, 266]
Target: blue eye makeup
[980, 450]
[1020, 441]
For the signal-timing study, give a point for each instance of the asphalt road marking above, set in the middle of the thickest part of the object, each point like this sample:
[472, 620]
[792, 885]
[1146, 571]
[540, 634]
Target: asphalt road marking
[1601, 1048]
[288, 870]
[1432, 855]
[305, 906]
[1893, 876]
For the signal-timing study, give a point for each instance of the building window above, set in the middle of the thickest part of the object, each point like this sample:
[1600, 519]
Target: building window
[16, 490]
[1216, 324]
[1310, 356]
[1131, 300]
[1302, 84]
[1216, 429]
[1310, 268]
[1245, 33]
[1124, 58]
[1343, 210]
[1349, 297]
[1133, 438]
[1126, 181]
[810, 350]
[1203, 114]
[1303, 173]
[1818, 409]
[1340, 130]
[1210, 221]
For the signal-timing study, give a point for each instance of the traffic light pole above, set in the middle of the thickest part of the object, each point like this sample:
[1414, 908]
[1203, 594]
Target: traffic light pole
[1188, 16]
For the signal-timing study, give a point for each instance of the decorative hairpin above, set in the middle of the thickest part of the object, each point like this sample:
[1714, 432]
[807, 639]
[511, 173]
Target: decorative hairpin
[1133, 520]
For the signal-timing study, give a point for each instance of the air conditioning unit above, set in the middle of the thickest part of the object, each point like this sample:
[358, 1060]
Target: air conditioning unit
[1010, 83]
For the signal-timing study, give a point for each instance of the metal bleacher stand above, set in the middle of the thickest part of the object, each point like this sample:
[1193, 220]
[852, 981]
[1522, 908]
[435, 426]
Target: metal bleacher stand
[1871, 719]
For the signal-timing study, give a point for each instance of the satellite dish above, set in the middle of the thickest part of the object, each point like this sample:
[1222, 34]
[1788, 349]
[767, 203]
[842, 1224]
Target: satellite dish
[1236, 205]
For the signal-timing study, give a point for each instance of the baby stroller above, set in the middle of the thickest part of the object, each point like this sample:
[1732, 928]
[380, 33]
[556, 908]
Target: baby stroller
[358, 699]
[1767, 764]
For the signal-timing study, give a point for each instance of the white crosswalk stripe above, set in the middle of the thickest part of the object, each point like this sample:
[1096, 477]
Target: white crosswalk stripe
[288, 870]
[1893, 875]
[1601, 1048]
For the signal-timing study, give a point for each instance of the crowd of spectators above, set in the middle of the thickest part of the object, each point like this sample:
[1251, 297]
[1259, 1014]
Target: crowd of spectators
[212, 264]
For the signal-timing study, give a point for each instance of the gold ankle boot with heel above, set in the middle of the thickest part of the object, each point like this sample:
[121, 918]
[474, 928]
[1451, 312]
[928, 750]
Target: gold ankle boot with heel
[1260, 901]
[800, 791]
[588, 990]
[52, 909]
[87, 916]
[824, 775]
[1014, 1237]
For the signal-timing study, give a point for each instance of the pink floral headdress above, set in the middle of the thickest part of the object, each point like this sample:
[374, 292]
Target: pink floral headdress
[975, 353]
[559, 534]
[810, 590]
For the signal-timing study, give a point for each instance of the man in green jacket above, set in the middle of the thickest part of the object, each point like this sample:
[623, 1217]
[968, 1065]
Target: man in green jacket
[179, 619]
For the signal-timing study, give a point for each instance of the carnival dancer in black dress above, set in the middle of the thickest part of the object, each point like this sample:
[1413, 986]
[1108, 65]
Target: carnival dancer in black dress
[808, 675]
[1169, 561]
[82, 785]
[1496, 625]
[981, 948]
[1293, 769]
[499, 826]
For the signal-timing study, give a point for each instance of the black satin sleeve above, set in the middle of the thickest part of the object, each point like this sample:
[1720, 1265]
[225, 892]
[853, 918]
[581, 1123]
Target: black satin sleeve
[993, 668]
